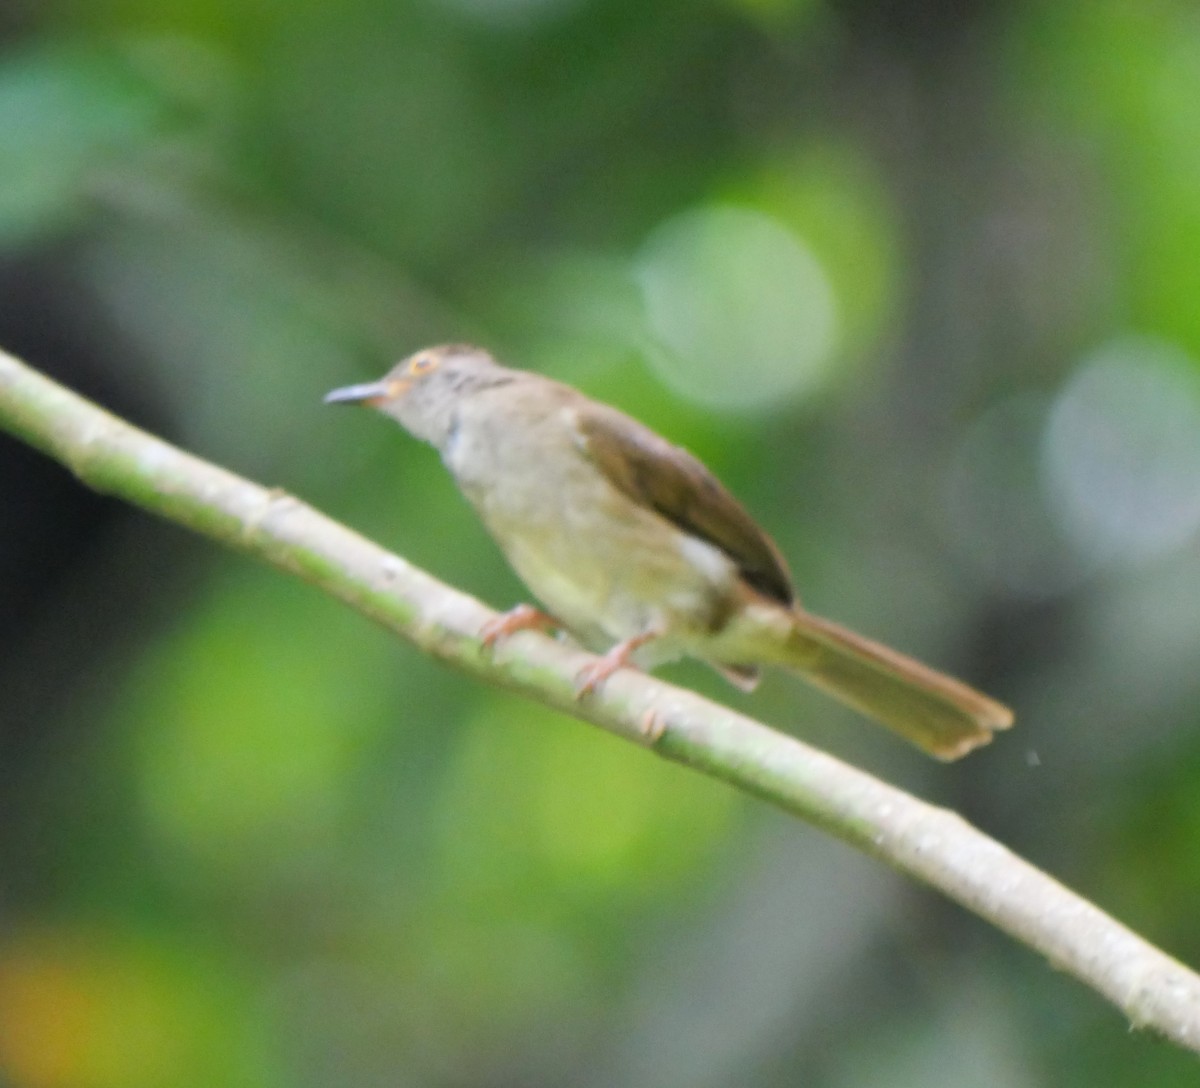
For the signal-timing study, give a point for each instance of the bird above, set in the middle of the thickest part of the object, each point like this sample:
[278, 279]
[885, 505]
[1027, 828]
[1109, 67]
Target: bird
[630, 544]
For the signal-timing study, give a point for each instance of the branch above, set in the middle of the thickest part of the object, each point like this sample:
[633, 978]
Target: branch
[931, 844]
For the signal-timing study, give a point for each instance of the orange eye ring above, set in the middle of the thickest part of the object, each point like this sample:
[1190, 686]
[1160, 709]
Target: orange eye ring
[423, 364]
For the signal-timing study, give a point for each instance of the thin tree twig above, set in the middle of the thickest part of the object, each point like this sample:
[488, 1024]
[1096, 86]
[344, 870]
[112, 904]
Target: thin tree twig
[931, 844]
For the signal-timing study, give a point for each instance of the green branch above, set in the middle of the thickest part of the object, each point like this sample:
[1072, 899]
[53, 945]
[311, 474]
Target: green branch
[932, 845]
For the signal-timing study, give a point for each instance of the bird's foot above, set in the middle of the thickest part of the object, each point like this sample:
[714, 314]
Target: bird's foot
[594, 674]
[652, 726]
[522, 618]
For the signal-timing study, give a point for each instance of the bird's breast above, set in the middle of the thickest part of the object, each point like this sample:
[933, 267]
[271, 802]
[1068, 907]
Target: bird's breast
[605, 565]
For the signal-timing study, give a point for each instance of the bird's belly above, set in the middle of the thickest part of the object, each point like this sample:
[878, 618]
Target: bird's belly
[606, 566]
[608, 579]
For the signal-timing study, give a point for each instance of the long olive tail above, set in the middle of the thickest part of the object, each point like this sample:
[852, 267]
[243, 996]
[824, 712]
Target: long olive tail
[934, 711]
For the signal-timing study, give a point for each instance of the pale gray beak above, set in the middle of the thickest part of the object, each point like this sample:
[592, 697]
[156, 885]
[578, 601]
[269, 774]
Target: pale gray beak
[358, 394]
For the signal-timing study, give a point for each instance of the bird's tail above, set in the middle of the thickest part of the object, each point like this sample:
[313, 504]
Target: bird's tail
[934, 711]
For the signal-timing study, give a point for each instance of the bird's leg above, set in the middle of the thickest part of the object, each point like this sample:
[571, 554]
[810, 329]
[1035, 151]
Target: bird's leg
[592, 676]
[524, 617]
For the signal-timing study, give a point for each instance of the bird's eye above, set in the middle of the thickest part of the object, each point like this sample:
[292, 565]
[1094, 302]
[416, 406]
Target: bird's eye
[423, 364]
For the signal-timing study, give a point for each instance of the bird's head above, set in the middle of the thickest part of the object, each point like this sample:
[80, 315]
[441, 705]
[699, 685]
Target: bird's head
[422, 391]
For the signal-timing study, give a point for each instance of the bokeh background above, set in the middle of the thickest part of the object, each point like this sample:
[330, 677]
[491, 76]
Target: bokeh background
[918, 279]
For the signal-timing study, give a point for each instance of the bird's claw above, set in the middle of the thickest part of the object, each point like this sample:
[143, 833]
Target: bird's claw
[593, 674]
[524, 617]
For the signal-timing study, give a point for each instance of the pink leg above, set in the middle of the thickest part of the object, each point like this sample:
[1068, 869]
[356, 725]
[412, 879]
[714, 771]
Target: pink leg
[522, 618]
[593, 675]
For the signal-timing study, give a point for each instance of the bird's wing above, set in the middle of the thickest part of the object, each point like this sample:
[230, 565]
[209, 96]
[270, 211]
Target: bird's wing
[655, 473]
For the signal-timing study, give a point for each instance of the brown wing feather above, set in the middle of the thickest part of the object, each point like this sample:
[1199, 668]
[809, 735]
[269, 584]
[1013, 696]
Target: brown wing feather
[651, 471]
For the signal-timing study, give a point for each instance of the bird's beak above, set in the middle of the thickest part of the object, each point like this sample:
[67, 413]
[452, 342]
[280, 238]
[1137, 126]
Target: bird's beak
[369, 393]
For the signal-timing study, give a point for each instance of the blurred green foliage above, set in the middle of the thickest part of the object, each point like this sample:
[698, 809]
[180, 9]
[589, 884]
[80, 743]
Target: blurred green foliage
[920, 287]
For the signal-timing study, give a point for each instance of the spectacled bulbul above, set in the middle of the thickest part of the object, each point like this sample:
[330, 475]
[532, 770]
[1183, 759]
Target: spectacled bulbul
[631, 544]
